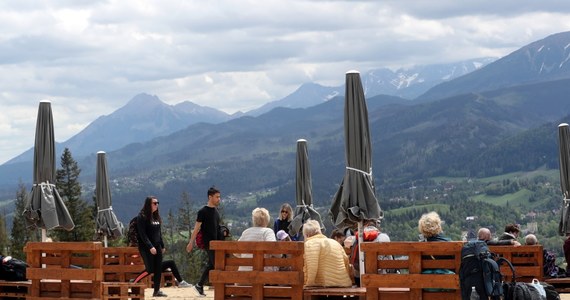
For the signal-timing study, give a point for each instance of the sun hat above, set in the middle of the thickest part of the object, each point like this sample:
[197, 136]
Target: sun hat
[281, 235]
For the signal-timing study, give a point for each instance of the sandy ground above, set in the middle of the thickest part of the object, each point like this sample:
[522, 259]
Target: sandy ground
[184, 293]
[188, 293]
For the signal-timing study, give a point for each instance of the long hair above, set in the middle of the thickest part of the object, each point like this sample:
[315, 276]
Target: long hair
[286, 207]
[146, 210]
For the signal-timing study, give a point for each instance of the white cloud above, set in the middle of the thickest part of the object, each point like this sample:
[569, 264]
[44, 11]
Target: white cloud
[90, 57]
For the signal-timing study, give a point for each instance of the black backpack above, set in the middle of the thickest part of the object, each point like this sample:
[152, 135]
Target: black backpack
[480, 270]
[132, 233]
[13, 270]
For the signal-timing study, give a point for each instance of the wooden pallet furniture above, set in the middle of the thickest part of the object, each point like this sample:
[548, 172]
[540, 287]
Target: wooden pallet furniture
[412, 259]
[123, 291]
[14, 289]
[64, 270]
[258, 283]
[262, 282]
[527, 260]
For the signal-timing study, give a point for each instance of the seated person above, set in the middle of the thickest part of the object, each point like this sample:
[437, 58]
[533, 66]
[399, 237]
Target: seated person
[484, 234]
[326, 263]
[429, 226]
[167, 265]
[511, 232]
[550, 269]
[259, 232]
[338, 236]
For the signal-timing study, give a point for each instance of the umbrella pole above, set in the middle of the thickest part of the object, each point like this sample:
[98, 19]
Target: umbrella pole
[105, 241]
[360, 253]
[44, 235]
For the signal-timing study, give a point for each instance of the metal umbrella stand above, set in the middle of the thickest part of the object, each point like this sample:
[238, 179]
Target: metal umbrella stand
[304, 191]
[355, 201]
[44, 207]
[107, 224]
[564, 157]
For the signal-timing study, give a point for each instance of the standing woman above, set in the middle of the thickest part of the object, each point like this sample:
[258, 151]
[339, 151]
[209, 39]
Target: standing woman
[284, 219]
[151, 246]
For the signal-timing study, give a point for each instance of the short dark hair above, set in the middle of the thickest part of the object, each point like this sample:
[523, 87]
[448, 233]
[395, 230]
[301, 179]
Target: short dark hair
[337, 233]
[212, 191]
[512, 228]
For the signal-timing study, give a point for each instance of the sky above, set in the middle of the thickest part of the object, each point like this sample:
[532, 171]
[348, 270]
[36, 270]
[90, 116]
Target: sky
[90, 57]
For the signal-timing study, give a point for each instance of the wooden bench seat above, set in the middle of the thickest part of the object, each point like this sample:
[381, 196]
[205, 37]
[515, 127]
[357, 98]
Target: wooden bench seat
[257, 283]
[64, 270]
[412, 258]
[527, 260]
[14, 289]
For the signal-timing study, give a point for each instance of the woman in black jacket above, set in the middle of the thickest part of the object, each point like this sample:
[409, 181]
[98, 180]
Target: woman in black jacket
[149, 236]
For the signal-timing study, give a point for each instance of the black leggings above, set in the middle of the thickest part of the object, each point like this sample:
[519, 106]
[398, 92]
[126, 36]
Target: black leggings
[153, 264]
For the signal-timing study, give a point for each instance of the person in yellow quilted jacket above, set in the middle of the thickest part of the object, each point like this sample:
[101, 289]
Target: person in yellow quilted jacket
[326, 262]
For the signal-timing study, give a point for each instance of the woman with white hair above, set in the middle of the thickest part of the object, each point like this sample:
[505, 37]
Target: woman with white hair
[429, 226]
[259, 232]
[326, 263]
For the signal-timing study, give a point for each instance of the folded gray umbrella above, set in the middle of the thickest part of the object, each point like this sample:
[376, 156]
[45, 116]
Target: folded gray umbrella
[355, 201]
[44, 207]
[304, 191]
[564, 156]
[107, 224]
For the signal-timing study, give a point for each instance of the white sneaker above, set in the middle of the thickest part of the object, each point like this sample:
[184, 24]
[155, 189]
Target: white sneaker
[184, 284]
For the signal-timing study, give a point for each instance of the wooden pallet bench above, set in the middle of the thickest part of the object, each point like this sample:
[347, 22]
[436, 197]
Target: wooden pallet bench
[64, 270]
[123, 291]
[229, 283]
[14, 289]
[412, 258]
[527, 260]
[262, 283]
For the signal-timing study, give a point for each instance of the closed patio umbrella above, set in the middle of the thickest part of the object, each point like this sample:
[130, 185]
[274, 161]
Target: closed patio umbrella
[564, 158]
[44, 207]
[304, 191]
[355, 201]
[107, 224]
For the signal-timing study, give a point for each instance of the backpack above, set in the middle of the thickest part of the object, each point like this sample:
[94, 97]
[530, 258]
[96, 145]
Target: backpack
[521, 291]
[13, 270]
[200, 240]
[479, 269]
[518, 290]
[132, 239]
[550, 268]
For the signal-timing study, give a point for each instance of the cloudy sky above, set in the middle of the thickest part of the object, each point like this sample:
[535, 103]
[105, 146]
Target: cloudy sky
[90, 57]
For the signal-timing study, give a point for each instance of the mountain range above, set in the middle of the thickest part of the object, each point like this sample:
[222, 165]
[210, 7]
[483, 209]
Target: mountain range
[502, 119]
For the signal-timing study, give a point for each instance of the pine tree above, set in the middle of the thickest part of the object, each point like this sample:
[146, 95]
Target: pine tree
[69, 188]
[21, 234]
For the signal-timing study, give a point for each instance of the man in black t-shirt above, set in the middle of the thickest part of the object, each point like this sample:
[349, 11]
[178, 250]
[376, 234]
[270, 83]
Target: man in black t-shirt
[208, 221]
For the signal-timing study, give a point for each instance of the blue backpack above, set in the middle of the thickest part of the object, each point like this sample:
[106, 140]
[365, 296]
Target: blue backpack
[480, 270]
